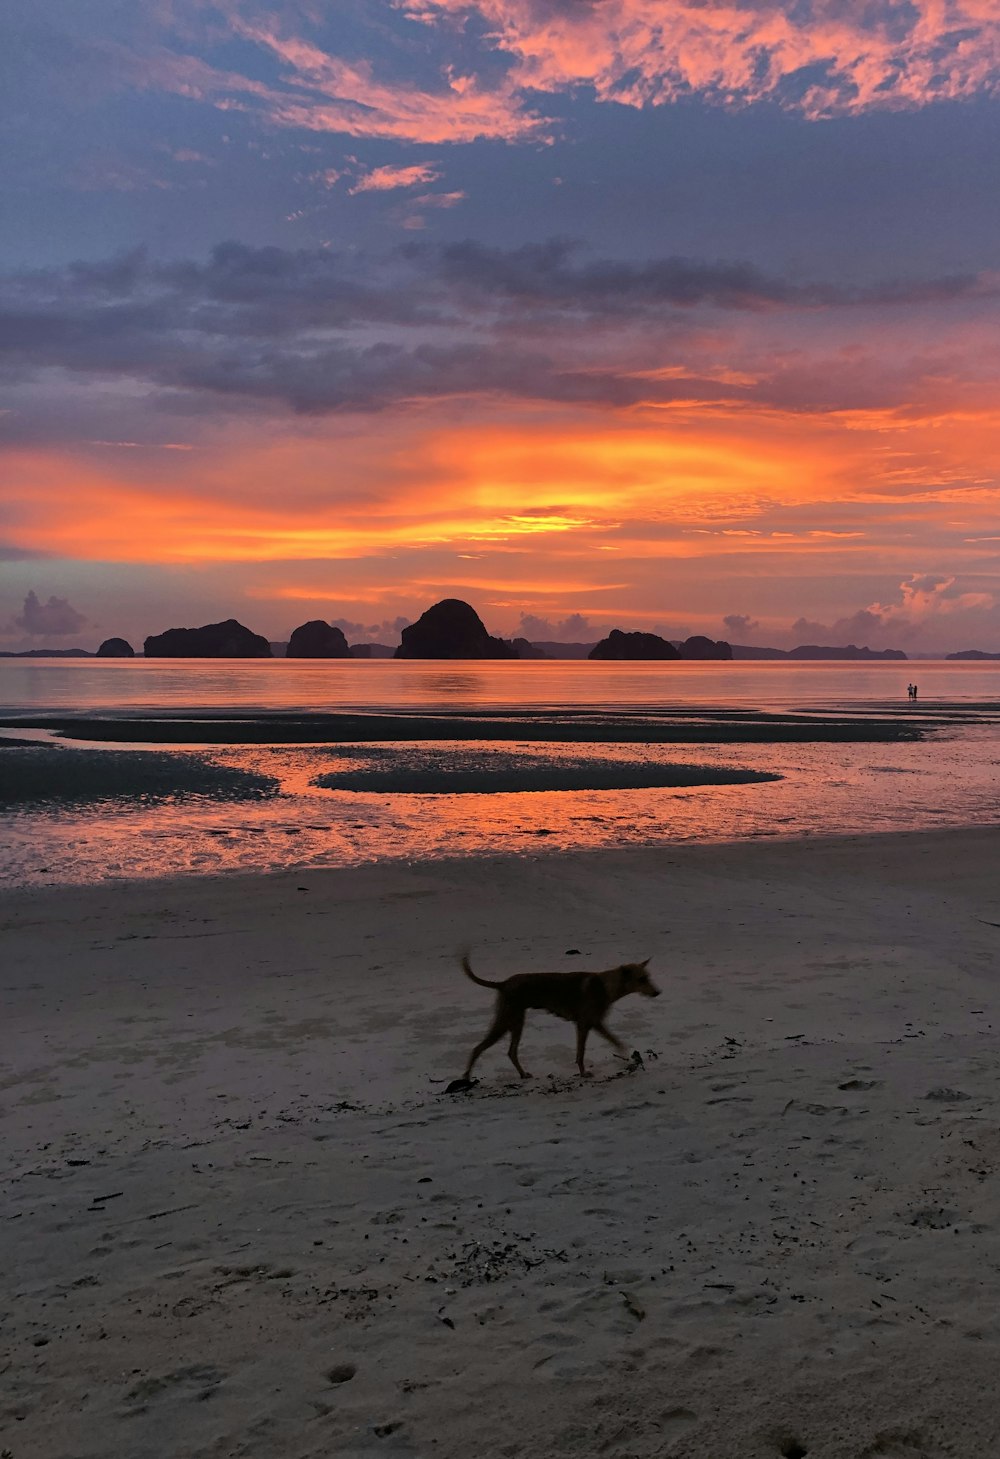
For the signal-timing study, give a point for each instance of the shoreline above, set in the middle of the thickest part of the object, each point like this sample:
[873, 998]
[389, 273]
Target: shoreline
[244, 1217]
[875, 842]
[540, 850]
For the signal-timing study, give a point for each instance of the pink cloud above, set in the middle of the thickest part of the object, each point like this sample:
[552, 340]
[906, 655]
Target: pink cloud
[385, 179]
[646, 52]
[821, 58]
[321, 92]
[415, 220]
[186, 154]
[439, 200]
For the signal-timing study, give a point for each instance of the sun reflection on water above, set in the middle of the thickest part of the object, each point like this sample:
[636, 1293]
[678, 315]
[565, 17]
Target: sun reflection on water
[825, 789]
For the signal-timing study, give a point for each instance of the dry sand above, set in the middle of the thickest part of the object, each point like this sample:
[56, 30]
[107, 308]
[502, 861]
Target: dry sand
[242, 1217]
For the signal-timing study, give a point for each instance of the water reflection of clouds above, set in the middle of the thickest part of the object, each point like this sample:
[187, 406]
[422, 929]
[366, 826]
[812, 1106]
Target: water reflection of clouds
[125, 686]
[451, 684]
[826, 789]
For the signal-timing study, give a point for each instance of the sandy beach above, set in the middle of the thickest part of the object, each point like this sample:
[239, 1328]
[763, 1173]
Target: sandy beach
[242, 1216]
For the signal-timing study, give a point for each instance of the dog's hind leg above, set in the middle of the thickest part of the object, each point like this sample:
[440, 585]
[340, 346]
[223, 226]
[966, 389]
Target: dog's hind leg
[500, 1025]
[516, 1029]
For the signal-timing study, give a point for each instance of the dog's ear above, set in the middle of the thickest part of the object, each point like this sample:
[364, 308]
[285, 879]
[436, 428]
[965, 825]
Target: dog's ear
[645, 962]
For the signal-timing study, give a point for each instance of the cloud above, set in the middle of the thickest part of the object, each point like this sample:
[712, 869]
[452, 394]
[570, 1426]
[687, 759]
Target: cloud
[924, 600]
[489, 66]
[576, 628]
[439, 200]
[821, 58]
[188, 155]
[740, 623]
[385, 179]
[863, 628]
[322, 92]
[388, 631]
[54, 619]
[318, 330]
[668, 519]
[549, 274]
[926, 597]
[414, 220]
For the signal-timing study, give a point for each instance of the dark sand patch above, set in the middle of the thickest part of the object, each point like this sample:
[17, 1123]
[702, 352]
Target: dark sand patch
[437, 772]
[44, 774]
[675, 725]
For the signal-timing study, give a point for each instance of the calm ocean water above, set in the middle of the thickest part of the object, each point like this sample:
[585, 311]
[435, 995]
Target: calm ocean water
[140, 686]
[99, 812]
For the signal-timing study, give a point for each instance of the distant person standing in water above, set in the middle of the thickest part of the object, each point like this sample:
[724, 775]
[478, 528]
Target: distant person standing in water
[914, 691]
[909, 691]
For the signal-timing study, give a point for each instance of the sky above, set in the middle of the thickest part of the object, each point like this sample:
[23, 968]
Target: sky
[665, 314]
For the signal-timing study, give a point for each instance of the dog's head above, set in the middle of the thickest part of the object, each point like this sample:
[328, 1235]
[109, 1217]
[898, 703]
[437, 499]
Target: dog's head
[635, 979]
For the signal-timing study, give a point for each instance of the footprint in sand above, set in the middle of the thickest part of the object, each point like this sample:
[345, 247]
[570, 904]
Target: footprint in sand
[676, 1421]
[896, 1444]
[934, 1218]
[197, 1381]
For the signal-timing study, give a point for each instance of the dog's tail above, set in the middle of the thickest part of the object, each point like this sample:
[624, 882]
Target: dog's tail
[467, 969]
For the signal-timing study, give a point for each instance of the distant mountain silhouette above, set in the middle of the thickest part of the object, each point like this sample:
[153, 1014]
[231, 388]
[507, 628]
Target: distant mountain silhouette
[750, 651]
[972, 653]
[228, 640]
[451, 629]
[621, 645]
[372, 651]
[523, 649]
[851, 651]
[816, 651]
[555, 649]
[116, 648]
[317, 640]
[47, 653]
[700, 647]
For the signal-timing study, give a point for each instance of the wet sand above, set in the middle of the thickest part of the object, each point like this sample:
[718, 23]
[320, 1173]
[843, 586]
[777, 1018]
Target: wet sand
[677, 724]
[242, 1217]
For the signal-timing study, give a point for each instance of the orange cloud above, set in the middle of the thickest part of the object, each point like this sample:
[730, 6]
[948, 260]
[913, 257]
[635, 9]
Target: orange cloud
[548, 512]
[570, 490]
[532, 588]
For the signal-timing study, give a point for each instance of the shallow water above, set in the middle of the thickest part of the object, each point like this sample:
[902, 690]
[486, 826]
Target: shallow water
[269, 686]
[951, 779]
[127, 811]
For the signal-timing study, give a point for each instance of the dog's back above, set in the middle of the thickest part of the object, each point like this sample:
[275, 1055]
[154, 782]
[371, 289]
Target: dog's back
[567, 995]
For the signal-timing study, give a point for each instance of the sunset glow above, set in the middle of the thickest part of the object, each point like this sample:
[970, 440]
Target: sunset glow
[677, 317]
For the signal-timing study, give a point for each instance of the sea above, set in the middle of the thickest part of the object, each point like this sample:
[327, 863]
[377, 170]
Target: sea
[113, 770]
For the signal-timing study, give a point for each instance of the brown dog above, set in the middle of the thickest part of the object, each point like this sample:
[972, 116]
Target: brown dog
[581, 998]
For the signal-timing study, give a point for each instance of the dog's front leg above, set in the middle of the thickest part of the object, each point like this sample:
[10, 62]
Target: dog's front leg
[607, 1034]
[516, 1028]
[495, 1032]
[582, 1030]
